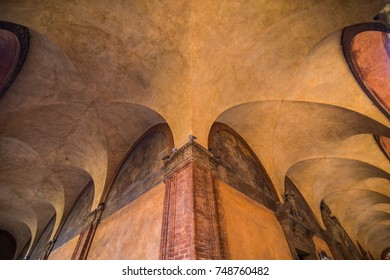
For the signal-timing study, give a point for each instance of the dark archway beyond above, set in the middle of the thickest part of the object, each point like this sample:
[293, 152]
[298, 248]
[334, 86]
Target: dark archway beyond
[7, 245]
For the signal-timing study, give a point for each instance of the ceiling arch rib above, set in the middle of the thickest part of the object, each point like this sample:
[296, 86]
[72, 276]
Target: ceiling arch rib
[274, 130]
[134, 70]
[35, 216]
[339, 139]
[352, 217]
[378, 239]
[19, 230]
[26, 176]
[362, 228]
[317, 81]
[64, 132]
[139, 57]
[235, 67]
[317, 178]
[74, 138]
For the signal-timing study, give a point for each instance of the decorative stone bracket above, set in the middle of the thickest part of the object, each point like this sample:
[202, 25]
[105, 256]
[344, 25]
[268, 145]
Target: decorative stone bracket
[296, 227]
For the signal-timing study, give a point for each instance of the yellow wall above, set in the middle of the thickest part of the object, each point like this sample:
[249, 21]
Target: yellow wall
[65, 251]
[252, 230]
[133, 232]
[321, 245]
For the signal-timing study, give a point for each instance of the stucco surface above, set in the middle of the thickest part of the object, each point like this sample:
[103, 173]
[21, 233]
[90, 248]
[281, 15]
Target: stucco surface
[252, 230]
[65, 251]
[133, 232]
[321, 246]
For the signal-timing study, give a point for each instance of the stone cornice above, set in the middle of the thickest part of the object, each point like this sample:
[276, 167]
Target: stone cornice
[190, 151]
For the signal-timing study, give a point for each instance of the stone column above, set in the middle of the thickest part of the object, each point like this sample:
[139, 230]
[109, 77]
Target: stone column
[86, 236]
[191, 228]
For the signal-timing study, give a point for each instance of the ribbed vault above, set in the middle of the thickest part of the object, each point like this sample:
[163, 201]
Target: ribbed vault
[55, 138]
[98, 75]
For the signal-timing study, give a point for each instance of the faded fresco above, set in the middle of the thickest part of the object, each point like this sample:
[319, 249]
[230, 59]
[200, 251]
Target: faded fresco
[302, 206]
[142, 170]
[240, 169]
[39, 250]
[74, 223]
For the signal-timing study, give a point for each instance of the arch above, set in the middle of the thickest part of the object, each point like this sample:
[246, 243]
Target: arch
[340, 242]
[39, 250]
[384, 144]
[153, 148]
[239, 166]
[385, 254]
[280, 140]
[362, 226]
[75, 222]
[300, 226]
[7, 245]
[135, 200]
[377, 239]
[19, 229]
[14, 44]
[318, 177]
[368, 212]
[78, 138]
[363, 46]
[302, 205]
[23, 252]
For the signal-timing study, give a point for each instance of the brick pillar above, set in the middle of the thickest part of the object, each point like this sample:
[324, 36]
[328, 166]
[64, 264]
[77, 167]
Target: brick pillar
[86, 236]
[191, 228]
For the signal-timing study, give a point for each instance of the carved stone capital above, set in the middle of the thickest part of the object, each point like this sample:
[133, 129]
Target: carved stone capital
[49, 246]
[191, 151]
[94, 216]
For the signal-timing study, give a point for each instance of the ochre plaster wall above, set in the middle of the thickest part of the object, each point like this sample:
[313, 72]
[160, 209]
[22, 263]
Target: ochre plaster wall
[321, 245]
[252, 230]
[133, 232]
[142, 170]
[65, 251]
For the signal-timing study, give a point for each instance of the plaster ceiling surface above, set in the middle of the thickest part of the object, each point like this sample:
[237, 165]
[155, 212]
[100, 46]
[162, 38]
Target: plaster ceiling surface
[100, 73]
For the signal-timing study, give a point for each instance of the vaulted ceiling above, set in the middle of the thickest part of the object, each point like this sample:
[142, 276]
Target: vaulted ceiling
[98, 74]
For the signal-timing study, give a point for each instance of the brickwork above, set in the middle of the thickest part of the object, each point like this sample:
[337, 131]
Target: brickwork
[206, 233]
[191, 228]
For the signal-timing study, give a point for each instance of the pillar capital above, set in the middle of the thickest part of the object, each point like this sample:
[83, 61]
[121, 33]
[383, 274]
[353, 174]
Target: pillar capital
[191, 151]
